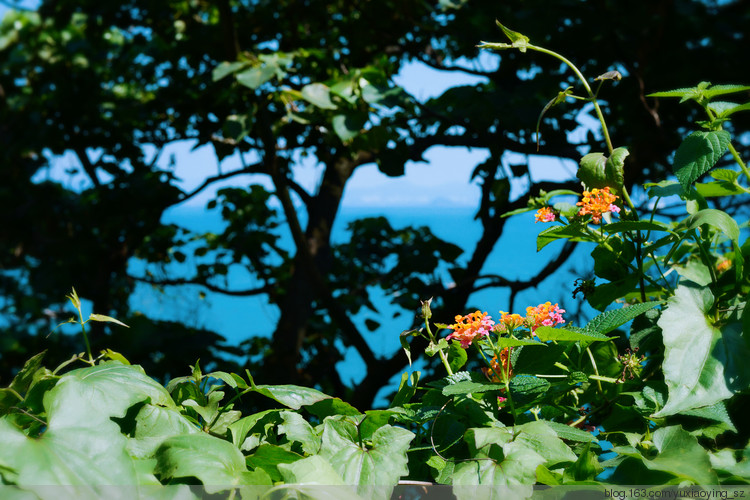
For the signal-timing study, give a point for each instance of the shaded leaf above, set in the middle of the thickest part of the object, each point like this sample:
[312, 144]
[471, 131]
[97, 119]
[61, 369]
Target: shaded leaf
[698, 153]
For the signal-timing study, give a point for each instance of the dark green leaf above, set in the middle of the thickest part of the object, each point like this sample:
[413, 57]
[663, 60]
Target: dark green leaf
[697, 154]
[609, 320]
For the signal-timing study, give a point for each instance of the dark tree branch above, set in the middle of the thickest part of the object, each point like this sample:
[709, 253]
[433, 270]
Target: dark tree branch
[88, 167]
[265, 289]
[256, 168]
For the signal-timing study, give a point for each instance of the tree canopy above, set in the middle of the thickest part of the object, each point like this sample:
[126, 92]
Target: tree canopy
[116, 83]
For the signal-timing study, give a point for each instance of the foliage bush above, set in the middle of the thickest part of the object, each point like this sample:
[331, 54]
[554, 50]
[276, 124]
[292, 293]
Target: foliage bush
[668, 395]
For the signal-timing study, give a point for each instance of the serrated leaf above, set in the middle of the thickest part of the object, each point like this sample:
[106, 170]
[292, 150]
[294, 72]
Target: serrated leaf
[609, 320]
[503, 342]
[546, 333]
[698, 153]
[528, 386]
[712, 92]
[318, 94]
[717, 412]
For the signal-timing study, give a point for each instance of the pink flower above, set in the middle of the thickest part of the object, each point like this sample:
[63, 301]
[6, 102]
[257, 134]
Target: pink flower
[544, 315]
[470, 327]
[545, 214]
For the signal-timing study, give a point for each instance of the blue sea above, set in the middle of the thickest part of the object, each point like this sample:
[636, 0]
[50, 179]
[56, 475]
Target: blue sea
[238, 318]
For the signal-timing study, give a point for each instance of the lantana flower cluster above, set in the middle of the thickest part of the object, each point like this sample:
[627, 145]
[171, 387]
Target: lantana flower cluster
[545, 314]
[596, 202]
[470, 327]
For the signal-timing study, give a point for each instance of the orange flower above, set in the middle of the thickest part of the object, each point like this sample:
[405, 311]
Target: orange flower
[508, 322]
[544, 315]
[495, 373]
[468, 328]
[597, 202]
[545, 214]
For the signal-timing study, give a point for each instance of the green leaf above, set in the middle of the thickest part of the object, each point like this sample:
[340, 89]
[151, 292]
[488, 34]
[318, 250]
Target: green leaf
[256, 76]
[311, 470]
[609, 320]
[546, 333]
[598, 171]
[291, 396]
[716, 412]
[680, 454]
[243, 426]
[715, 218]
[457, 356]
[406, 391]
[634, 225]
[586, 467]
[268, 457]
[717, 90]
[348, 126]
[569, 433]
[468, 387]
[80, 455]
[298, 429]
[503, 342]
[694, 376]
[153, 425]
[100, 392]
[518, 40]
[226, 68]
[698, 153]
[572, 232]
[528, 385]
[215, 462]
[23, 379]
[318, 94]
[383, 462]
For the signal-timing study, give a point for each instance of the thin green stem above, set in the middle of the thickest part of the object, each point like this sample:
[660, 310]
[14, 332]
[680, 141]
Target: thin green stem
[591, 94]
[596, 372]
[443, 358]
[739, 161]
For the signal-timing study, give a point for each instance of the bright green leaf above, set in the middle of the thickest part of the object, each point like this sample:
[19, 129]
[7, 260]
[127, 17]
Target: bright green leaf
[609, 320]
[318, 94]
[546, 333]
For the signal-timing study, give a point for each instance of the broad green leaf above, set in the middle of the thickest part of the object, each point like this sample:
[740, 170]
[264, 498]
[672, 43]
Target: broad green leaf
[457, 356]
[585, 468]
[571, 232]
[609, 320]
[717, 412]
[528, 387]
[213, 461]
[256, 76]
[23, 379]
[243, 426]
[291, 396]
[298, 429]
[592, 171]
[269, 456]
[546, 333]
[383, 462]
[569, 433]
[100, 392]
[468, 387]
[311, 470]
[681, 454]
[153, 425]
[715, 218]
[725, 174]
[694, 376]
[318, 94]
[721, 188]
[407, 388]
[331, 406]
[81, 455]
[348, 126]
[226, 68]
[698, 153]
[663, 188]
[504, 342]
[542, 439]
[634, 225]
